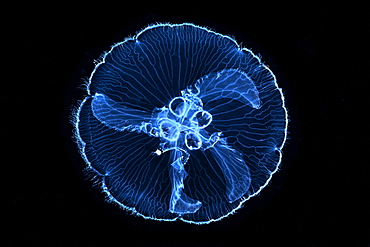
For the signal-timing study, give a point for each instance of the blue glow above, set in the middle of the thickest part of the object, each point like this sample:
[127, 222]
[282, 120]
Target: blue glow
[180, 122]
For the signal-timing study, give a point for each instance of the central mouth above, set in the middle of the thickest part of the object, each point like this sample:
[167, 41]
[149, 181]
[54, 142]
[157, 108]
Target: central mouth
[182, 124]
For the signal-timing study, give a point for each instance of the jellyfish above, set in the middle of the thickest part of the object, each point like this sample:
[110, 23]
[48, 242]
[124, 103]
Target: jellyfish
[181, 123]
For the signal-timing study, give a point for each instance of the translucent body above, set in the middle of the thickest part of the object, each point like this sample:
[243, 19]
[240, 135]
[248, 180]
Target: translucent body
[181, 123]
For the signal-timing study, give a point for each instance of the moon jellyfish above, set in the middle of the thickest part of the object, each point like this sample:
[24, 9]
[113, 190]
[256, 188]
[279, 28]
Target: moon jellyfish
[180, 122]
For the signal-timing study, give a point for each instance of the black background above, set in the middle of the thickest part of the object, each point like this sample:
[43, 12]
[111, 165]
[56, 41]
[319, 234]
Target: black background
[318, 55]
